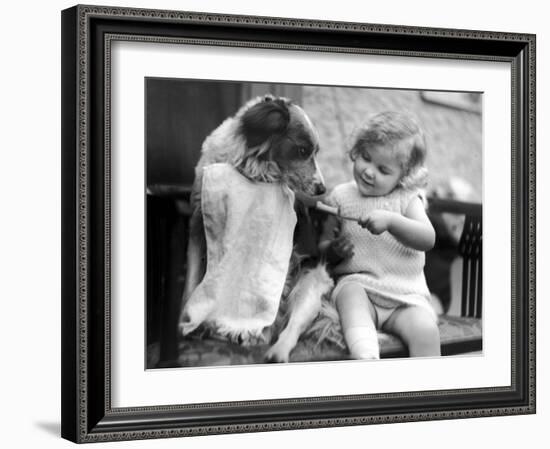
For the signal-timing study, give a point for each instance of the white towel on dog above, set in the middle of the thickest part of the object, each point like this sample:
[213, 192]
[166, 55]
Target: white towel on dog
[249, 228]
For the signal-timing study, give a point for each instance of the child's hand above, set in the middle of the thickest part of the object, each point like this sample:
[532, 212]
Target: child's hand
[377, 221]
[339, 249]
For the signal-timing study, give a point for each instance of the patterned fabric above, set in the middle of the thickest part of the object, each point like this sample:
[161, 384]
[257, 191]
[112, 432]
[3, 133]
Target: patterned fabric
[391, 272]
[249, 228]
[458, 336]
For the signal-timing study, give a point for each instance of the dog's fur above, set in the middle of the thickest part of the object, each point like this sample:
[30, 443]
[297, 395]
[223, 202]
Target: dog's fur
[268, 140]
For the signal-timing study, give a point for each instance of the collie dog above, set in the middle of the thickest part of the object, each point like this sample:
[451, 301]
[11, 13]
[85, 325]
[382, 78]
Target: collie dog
[269, 141]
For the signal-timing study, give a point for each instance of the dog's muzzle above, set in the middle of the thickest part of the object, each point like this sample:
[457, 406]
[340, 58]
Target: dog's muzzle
[319, 187]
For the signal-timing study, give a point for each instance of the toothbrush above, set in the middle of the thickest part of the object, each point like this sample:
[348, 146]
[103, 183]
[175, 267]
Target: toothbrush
[316, 203]
[332, 211]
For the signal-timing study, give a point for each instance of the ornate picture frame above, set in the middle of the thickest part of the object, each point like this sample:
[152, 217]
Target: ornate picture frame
[88, 33]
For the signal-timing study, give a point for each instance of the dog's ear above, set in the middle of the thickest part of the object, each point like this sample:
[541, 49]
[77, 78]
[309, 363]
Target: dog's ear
[266, 118]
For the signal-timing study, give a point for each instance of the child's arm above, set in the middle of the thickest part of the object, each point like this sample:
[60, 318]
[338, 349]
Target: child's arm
[413, 229]
[335, 249]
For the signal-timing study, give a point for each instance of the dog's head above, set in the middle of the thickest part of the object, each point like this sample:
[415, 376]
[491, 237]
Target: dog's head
[280, 145]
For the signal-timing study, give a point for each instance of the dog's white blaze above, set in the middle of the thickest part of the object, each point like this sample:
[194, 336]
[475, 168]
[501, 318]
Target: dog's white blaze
[306, 119]
[318, 173]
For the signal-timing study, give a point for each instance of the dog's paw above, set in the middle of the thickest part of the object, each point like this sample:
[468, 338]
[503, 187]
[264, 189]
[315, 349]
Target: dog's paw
[278, 353]
[185, 327]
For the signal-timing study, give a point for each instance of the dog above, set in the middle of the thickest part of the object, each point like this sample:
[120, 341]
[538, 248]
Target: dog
[269, 140]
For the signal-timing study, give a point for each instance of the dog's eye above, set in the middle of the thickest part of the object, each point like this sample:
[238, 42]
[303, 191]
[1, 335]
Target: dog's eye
[303, 152]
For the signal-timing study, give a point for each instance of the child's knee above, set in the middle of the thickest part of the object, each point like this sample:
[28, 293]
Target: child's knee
[427, 333]
[424, 338]
[350, 296]
[424, 320]
[350, 290]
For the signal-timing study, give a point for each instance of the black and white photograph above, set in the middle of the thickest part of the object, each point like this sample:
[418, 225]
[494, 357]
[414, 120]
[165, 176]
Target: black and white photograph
[282, 223]
[311, 223]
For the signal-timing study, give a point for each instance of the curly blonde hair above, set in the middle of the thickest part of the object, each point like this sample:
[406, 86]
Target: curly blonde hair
[403, 136]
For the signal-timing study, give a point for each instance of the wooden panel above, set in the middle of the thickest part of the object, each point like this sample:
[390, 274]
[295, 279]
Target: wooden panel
[180, 114]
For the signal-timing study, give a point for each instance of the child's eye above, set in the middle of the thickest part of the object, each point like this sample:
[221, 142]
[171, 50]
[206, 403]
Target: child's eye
[384, 171]
[366, 157]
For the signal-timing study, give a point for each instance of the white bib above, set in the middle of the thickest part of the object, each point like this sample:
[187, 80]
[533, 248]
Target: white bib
[249, 229]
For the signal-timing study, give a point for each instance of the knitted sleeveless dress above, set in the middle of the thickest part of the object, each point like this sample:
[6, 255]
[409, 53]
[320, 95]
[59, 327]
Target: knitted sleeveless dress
[391, 273]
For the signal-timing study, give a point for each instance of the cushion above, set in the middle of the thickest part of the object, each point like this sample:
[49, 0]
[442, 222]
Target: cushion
[458, 335]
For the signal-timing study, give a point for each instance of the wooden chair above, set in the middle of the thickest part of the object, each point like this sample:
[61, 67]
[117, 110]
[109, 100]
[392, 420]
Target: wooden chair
[168, 212]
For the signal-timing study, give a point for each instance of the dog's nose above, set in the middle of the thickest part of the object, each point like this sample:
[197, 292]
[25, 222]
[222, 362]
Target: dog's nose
[320, 189]
[319, 183]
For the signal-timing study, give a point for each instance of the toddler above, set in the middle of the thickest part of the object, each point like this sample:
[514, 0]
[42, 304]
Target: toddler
[379, 260]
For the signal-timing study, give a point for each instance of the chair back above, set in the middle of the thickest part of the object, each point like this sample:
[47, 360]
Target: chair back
[470, 248]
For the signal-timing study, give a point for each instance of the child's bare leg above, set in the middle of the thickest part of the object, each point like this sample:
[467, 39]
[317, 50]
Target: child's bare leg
[417, 327]
[356, 316]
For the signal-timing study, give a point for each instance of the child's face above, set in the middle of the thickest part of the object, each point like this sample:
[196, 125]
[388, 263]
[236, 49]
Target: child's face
[376, 170]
